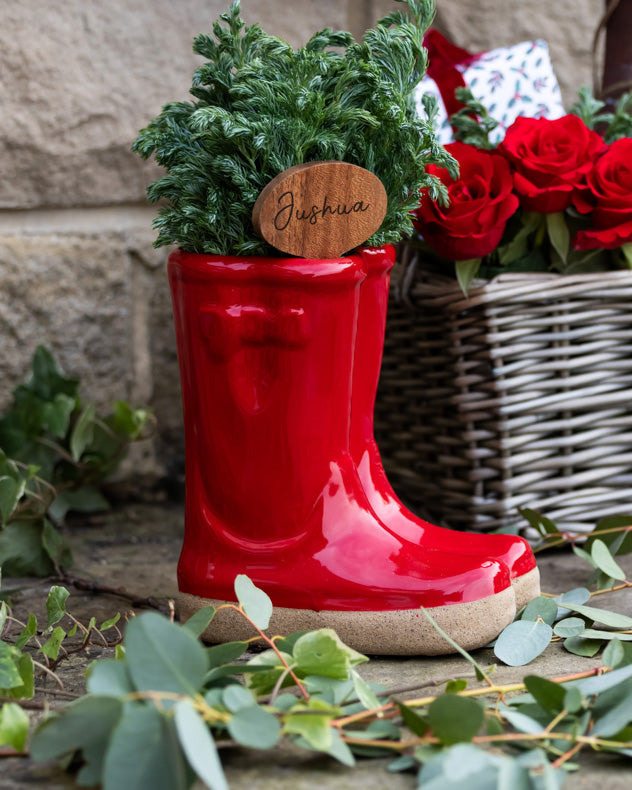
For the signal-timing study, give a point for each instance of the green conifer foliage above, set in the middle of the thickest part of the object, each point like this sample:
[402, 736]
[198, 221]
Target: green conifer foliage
[261, 107]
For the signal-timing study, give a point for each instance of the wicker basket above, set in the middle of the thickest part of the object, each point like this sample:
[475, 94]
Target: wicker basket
[519, 395]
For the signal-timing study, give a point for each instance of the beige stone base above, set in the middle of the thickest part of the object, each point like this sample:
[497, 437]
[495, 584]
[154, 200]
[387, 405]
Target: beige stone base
[526, 587]
[400, 632]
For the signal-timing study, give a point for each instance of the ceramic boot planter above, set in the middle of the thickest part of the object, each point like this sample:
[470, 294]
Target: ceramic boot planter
[514, 551]
[266, 348]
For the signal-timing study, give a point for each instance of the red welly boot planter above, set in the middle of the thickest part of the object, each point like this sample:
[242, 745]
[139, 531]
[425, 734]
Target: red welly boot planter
[266, 349]
[511, 550]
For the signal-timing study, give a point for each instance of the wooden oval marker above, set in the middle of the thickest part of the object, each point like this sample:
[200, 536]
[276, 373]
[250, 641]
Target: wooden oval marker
[320, 209]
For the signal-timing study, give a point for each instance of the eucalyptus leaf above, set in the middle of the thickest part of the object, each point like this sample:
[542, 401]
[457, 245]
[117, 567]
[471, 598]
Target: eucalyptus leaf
[611, 619]
[577, 595]
[522, 641]
[549, 695]
[454, 719]
[109, 677]
[164, 656]
[581, 646]
[520, 721]
[614, 720]
[255, 603]
[198, 746]
[415, 723]
[604, 532]
[604, 561]
[144, 753]
[235, 697]
[541, 607]
[254, 727]
[595, 633]
[199, 622]
[224, 654]
[570, 626]
[339, 749]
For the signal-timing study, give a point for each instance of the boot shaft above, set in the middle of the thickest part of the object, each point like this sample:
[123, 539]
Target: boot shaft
[266, 351]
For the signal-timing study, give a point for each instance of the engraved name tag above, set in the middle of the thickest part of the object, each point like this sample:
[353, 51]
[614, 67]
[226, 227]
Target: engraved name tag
[320, 209]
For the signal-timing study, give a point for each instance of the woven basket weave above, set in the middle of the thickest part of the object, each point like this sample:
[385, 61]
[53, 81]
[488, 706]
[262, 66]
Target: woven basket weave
[519, 395]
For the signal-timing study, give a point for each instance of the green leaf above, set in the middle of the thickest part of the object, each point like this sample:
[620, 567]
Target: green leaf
[56, 605]
[163, 656]
[199, 622]
[4, 612]
[56, 414]
[110, 677]
[29, 630]
[613, 653]
[14, 726]
[255, 603]
[86, 499]
[52, 646]
[263, 682]
[466, 271]
[573, 700]
[235, 697]
[110, 623]
[55, 547]
[522, 641]
[364, 692]
[454, 686]
[604, 561]
[88, 721]
[144, 753]
[415, 723]
[615, 719]
[454, 719]
[582, 647]
[323, 653]
[312, 721]
[611, 619]
[620, 522]
[538, 522]
[520, 721]
[254, 727]
[596, 633]
[9, 673]
[83, 432]
[335, 692]
[25, 689]
[224, 654]
[10, 493]
[198, 746]
[626, 249]
[480, 672]
[577, 595]
[559, 234]
[22, 552]
[570, 626]
[542, 607]
[549, 695]
[339, 749]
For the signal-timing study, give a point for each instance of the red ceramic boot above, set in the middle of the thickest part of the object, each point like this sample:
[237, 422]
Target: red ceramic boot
[511, 550]
[265, 348]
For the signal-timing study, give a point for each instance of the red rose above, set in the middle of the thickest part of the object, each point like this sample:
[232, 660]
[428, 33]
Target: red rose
[481, 202]
[550, 159]
[609, 198]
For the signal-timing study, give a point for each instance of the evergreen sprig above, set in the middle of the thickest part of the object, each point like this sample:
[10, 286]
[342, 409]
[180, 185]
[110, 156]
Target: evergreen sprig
[261, 107]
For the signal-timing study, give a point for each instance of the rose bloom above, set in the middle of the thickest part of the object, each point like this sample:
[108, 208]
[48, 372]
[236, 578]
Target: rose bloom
[550, 160]
[481, 202]
[609, 198]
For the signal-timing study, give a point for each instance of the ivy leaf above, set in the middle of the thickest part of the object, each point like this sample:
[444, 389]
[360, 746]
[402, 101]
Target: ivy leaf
[9, 674]
[14, 726]
[323, 653]
[254, 727]
[110, 622]
[255, 603]
[198, 746]
[10, 493]
[83, 432]
[25, 689]
[312, 720]
[29, 630]
[56, 605]
[454, 719]
[52, 646]
[144, 753]
[604, 561]
[163, 656]
[522, 641]
[56, 414]
[264, 681]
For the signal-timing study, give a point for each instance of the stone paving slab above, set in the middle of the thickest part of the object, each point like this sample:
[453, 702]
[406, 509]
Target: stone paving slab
[136, 547]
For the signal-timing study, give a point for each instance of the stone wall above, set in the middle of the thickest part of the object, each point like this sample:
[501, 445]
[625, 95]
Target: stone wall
[79, 78]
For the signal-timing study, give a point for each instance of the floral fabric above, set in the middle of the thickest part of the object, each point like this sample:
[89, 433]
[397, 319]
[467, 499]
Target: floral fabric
[509, 81]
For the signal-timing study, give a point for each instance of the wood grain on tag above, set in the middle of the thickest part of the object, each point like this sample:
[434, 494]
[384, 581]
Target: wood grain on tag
[320, 209]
